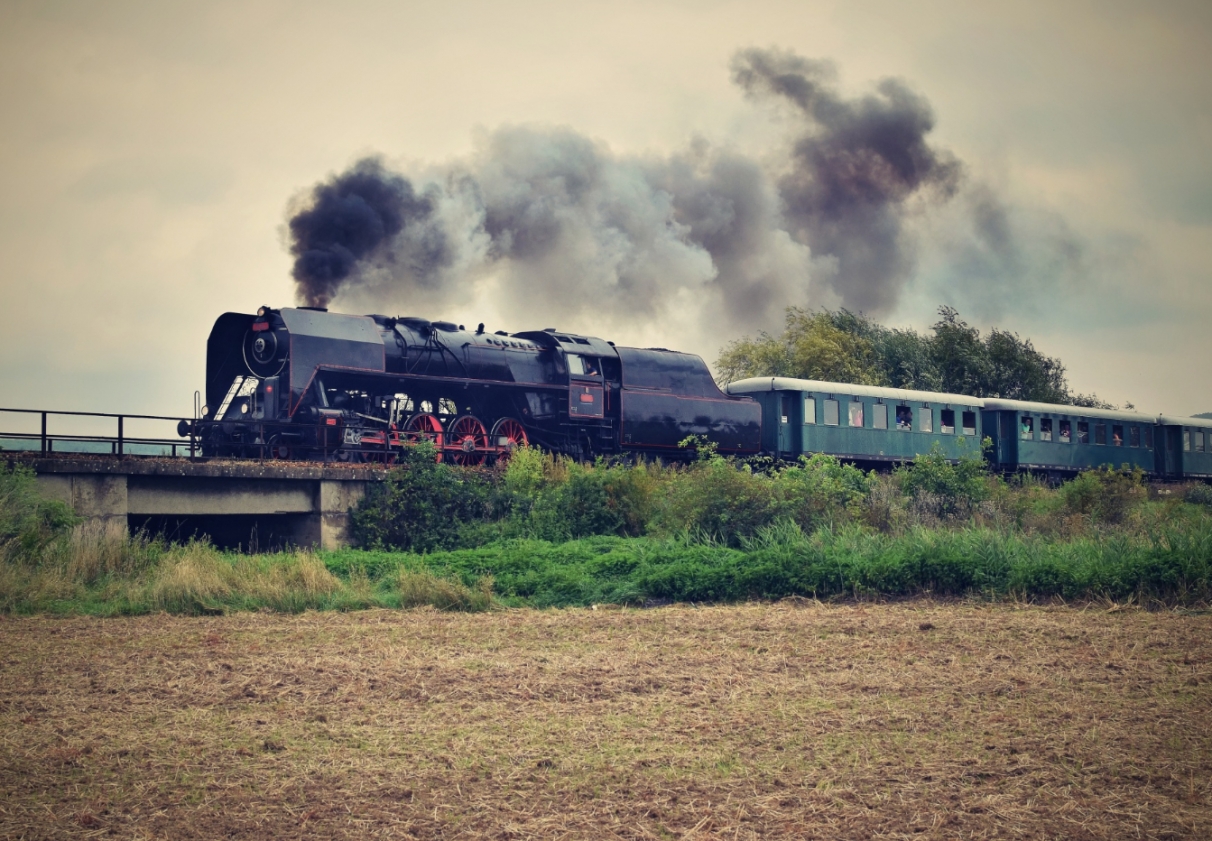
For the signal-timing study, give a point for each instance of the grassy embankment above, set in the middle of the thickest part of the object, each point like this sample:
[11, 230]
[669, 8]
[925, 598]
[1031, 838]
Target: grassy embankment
[545, 532]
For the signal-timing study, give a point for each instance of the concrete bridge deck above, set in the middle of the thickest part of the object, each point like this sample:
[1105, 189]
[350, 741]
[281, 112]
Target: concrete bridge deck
[257, 505]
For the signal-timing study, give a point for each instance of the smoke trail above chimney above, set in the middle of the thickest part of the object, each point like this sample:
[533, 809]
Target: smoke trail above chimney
[562, 226]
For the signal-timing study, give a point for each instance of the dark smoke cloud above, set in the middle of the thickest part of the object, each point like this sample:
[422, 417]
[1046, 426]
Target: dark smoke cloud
[853, 171]
[351, 218]
[554, 225]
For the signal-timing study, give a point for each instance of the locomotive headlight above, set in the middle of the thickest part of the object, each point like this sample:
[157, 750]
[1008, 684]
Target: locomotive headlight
[261, 311]
[244, 407]
[205, 411]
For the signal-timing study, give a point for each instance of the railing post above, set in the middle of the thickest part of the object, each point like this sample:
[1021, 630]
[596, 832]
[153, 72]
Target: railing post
[44, 433]
[120, 419]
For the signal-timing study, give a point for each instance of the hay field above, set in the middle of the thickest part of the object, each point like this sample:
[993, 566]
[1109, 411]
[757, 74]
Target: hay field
[792, 720]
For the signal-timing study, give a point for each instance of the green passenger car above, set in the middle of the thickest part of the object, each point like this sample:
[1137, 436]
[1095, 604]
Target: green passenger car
[861, 423]
[1061, 440]
[1184, 447]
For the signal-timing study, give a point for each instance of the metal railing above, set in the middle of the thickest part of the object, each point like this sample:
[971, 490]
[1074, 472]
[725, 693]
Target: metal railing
[46, 438]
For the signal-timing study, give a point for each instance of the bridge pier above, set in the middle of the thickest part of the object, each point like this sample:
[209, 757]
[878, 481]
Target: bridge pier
[238, 505]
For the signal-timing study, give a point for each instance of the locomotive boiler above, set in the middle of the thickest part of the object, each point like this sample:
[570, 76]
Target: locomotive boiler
[307, 383]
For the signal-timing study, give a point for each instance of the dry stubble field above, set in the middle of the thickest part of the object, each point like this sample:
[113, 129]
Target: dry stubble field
[794, 720]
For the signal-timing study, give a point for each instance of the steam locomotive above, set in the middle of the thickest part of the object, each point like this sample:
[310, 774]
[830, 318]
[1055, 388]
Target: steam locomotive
[307, 383]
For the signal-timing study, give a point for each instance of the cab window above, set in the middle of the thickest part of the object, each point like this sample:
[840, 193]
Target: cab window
[576, 365]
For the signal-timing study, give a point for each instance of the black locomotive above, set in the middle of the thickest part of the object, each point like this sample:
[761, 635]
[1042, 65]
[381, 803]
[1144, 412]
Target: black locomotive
[307, 383]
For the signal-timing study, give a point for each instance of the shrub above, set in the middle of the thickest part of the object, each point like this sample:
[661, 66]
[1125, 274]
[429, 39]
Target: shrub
[719, 499]
[951, 489]
[1105, 495]
[1200, 494]
[28, 522]
[821, 491]
[422, 505]
[421, 587]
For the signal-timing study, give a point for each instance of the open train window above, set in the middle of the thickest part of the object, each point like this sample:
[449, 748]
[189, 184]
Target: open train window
[1148, 437]
[1045, 429]
[904, 418]
[1083, 432]
[809, 409]
[946, 424]
[1026, 427]
[830, 413]
[856, 413]
[1100, 434]
[1065, 432]
[925, 419]
[1117, 435]
[1134, 436]
[879, 416]
[969, 421]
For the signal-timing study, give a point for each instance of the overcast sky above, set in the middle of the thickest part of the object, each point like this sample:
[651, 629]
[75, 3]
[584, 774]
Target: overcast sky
[152, 153]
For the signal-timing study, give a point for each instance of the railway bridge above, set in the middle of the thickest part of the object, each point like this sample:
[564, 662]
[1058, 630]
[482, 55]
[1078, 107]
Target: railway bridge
[250, 505]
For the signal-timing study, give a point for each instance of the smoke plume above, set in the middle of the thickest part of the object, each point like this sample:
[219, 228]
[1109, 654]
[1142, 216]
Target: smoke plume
[556, 224]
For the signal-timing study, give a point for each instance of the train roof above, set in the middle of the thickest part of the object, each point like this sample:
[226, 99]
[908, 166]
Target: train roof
[1177, 420]
[1003, 404]
[759, 384]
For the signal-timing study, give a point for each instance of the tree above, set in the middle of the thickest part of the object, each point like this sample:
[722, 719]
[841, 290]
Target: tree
[841, 346]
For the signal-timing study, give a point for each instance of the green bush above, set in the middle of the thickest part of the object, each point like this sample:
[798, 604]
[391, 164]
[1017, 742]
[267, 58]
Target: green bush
[422, 505]
[1200, 494]
[28, 522]
[951, 489]
[1105, 495]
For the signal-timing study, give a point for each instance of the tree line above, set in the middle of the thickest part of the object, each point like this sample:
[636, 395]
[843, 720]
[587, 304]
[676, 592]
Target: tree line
[954, 357]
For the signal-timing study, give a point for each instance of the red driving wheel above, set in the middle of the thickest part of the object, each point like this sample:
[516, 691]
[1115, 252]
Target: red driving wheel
[467, 441]
[507, 435]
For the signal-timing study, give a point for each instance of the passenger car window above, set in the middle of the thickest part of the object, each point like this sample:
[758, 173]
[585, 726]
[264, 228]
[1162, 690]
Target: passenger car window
[809, 409]
[856, 413]
[925, 419]
[1198, 435]
[946, 423]
[1100, 433]
[1134, 436]
[1187, 440]
[1045, 429]
[1148, 437]
[1026, 427]
[879, 416]
[969, 426]
[830, 413]
[1083, 432]
[784, 407]
[1117, 435]
[904, 418]
[1066, 428]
